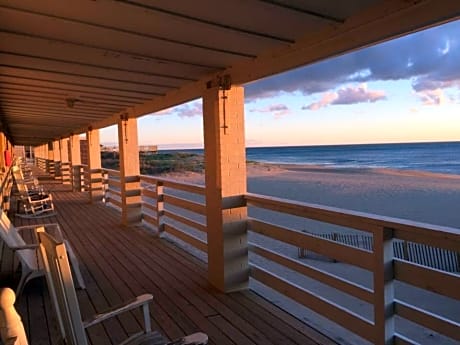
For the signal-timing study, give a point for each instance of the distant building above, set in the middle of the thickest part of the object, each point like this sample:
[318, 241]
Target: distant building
[142, 148]
[148, 148]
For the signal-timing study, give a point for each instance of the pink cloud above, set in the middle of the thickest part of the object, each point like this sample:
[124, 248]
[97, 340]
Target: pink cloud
[278, 110]
[347, 95]
[434, 97]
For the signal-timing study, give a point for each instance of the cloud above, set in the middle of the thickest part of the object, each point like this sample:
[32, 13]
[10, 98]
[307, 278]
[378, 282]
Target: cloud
[190, 110]
[278, 110]
[434, 97]
[327, 99]
[194, 108]
[347, 95]
[428, 58]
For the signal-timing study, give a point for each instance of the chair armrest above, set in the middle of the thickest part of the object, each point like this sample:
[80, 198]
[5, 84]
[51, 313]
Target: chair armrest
[139, 301]
[41, 200]
[25, 246]
[56, 229]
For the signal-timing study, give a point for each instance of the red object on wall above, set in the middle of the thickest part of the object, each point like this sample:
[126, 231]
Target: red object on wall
[7, 158]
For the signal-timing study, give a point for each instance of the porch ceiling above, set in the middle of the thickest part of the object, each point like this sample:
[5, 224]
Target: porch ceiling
[67, 65]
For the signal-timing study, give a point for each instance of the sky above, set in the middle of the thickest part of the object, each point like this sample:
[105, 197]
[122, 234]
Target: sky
[404, 90]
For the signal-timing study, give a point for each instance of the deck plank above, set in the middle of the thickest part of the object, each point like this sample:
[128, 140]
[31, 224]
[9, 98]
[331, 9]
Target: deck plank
[120, 262]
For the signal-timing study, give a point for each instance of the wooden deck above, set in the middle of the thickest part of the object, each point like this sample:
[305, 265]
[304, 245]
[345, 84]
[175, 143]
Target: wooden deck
[120, 262]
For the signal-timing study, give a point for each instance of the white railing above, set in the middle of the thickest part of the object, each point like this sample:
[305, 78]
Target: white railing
[175, 208]
[380, 262]
[179, 209]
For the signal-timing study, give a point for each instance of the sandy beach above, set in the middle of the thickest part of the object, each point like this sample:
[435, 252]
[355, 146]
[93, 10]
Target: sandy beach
[418, 196]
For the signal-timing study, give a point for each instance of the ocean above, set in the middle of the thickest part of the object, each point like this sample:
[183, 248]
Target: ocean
[438, 157]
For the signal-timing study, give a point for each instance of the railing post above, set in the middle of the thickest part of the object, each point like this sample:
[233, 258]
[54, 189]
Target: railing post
[131, 199]
[383, 287]
[75, 162]
[160, 207]
[225, 175]
[50, 160]
[57, 159]
[94, 165]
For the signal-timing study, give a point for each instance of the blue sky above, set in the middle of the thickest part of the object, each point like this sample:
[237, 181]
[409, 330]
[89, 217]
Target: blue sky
[405, 90]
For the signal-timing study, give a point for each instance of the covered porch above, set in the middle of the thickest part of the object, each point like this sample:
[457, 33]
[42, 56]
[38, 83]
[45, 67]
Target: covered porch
[120, 262]
[68, 71]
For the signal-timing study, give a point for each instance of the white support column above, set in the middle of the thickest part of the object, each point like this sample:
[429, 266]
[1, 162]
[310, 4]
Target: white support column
[225, 156]
[65, 164]
[131, 211]
[75, 162]
[94, 174]
[384, 287]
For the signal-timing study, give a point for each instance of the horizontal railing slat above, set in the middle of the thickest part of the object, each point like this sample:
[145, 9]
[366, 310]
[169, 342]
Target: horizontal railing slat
[427, 278]
[422, 317]
[326, 247]
[186, 187]
[149, 193]
[336, 282]
[186, 204]
[318, 304]
[192, 240]
[149, 219]
[360, 220]
[187, 221]
[149, 206]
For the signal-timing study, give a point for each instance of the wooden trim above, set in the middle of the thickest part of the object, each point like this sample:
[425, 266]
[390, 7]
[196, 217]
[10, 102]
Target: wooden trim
[332, 280]
[149, 206]
[149, 219]
[186, 204]
[341, 252]
[427, 278]
[114, 202]
[114, 183]
[336, 313]
[149, 193]
[192, 240]
[429, 320]
[187, 187]
[187, 221]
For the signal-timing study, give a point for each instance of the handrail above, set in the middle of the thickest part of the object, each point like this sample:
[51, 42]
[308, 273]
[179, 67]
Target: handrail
[380, 261]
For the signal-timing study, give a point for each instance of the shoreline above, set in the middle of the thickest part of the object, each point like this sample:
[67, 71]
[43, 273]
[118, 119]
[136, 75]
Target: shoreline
[349, 170]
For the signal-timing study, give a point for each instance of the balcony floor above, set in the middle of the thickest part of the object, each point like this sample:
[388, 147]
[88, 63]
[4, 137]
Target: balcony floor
[119, 263]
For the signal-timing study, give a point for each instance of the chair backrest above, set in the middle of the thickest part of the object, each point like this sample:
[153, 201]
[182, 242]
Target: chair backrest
[20, 183]
[10, 236]
[61, 288]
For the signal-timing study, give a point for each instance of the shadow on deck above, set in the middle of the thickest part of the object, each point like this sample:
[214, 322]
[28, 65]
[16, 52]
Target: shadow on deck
[119, 263]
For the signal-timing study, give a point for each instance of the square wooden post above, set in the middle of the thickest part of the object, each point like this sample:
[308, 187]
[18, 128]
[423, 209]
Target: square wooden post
[50, 160]
[65, 164]
[94, 174]
[131, 211]
[2, 149]
[75, 162]
[57, 159]
[225, 176]
[384, 287]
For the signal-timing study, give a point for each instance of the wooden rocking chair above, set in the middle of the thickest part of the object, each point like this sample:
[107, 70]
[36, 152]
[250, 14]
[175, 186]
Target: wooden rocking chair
[35, 203]
[73, 329]
[28, 254]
